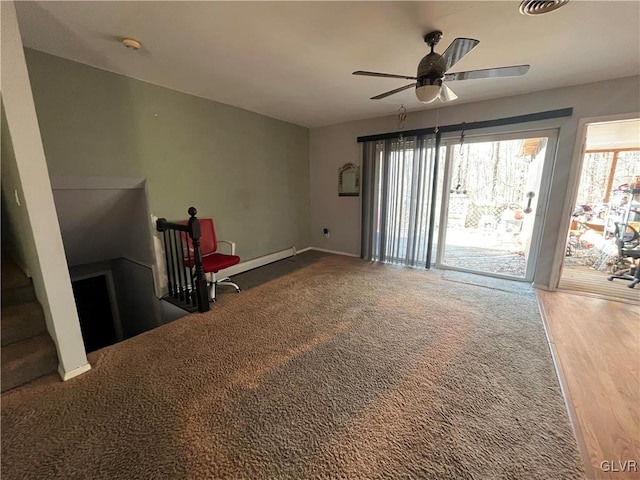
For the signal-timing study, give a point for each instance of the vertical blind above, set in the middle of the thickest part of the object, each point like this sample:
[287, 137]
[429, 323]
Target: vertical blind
[397, 194]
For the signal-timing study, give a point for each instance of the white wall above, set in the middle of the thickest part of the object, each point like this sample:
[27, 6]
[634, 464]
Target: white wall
[43, 251]
[332, 146]
[102, 219]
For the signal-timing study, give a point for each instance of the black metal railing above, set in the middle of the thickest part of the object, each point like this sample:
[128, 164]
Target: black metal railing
[186, 282]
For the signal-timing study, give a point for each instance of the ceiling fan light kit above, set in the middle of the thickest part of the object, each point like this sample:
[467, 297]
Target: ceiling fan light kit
[427, 93]
[539, 7]
[131, 43]
[429, 82]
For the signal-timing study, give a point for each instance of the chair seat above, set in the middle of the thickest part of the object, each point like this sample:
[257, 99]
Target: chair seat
[631, 253]
[219, 261]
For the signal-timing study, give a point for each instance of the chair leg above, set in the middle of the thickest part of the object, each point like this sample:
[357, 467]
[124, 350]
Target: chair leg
[213, 282]
[227, 281]
[632, 274]
[636, 277]
[212, 286]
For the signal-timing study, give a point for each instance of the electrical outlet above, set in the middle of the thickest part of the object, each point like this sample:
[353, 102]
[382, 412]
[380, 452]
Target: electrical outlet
[325, 231]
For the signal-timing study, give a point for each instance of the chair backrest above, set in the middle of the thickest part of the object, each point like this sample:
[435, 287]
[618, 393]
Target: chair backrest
[627, 237]
[208, 241]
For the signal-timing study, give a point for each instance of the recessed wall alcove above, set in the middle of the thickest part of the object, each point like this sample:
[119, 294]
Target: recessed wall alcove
[107, 234]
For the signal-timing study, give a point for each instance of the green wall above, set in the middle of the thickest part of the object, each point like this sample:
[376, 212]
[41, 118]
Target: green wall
[247, 171]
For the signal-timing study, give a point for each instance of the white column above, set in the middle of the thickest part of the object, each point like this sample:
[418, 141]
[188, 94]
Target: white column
[47, 265]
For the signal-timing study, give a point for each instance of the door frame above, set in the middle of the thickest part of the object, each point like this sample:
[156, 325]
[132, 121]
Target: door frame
[573, 183]
[540, 207]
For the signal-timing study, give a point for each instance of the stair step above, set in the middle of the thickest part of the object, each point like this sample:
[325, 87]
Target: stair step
[17, 295]
[21, 321]
[27, 360]
[13, 277]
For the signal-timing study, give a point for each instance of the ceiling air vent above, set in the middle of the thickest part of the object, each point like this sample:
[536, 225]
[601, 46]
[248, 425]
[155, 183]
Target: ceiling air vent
[538, 7]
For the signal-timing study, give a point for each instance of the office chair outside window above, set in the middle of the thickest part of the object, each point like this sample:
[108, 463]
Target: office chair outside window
[212, 260]
[627, 240]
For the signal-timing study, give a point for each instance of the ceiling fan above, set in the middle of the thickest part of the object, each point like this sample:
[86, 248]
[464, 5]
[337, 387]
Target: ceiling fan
[433, 68]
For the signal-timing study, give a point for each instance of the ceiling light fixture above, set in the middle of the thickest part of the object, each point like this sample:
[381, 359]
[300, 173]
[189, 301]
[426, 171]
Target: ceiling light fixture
[427, 93]
[428, 89]
[539, 7]
[131, 43]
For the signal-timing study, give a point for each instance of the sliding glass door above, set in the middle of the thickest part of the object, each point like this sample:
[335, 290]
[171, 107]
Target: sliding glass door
[492, 204]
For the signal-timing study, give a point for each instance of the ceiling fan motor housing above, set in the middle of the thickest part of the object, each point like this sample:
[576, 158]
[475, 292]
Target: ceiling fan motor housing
[430, 69]
[423, 81]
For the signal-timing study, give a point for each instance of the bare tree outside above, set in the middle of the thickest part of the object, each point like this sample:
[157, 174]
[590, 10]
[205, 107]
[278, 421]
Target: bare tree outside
[487, 229]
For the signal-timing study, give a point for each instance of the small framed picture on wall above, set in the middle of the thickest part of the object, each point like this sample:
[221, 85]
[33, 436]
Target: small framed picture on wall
[349, 180]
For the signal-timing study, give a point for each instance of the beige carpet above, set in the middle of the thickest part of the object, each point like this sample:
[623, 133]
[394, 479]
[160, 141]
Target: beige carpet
[341, 369]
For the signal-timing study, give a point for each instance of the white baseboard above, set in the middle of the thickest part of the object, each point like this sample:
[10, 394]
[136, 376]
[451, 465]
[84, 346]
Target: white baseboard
[273, 257]
[73, 373]
[336, 252]
[256, 262]
[542, 287]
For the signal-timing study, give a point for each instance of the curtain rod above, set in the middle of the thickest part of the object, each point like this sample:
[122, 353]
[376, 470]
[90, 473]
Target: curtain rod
[530, 117]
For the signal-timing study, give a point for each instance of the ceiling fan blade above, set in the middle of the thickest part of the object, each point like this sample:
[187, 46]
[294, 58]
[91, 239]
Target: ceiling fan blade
[377, 74]
[391, 92]
[514, 71]
[446, 94]
[457, 50]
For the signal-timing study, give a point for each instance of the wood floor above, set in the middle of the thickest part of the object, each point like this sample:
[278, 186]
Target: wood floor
[585, 279]
[596, 347]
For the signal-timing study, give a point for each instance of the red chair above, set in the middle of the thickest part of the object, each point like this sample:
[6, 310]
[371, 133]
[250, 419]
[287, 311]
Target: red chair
[212, 260]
